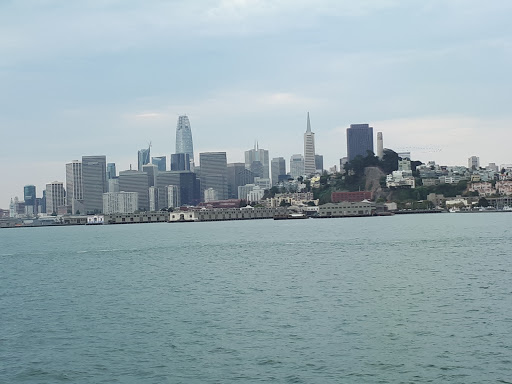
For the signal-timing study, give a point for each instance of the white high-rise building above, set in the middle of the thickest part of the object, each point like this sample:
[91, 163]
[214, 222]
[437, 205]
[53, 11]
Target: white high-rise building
[309, 150]
[173, 196]
[474, 162]
[74, 186]
[297, 166]
[120, 202]
[55, 196]
[380, 145]
[210, 194]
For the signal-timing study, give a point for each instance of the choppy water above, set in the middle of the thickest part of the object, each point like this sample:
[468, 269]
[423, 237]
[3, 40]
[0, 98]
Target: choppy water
[403, 299]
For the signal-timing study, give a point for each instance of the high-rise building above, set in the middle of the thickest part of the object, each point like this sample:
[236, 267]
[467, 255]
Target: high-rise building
[180, 162]
[173, 196]
[278, 166]
[94, 182]
[151, 170]
[134, 181]
[189, 186]
[319, 163]
[380, 145]
[184, 137]
[143, 157]
[238, 175]
[474, 162]
[55, 196]
[257, 161]
[74, 186]
[29, 194]
[160, 162]
[309, 150]
[111, 171]
[359, 140]
[120, 202]
[214, 173]
[296, 166]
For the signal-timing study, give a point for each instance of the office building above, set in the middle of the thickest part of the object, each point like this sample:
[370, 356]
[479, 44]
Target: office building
[189, 186]
[74, 187]
[134, 181]
[94, 183]
[173, 196]
[120, 202]
[309, 150]
[214, 173]
[359, 140]
[144, 155]
[184, 137]
[296, 166]
[380, 145]
[160, 162]
[154, 199]
[55, 196]
[257, 161]
[180, 162]
[111, 171]
[151, 170]
[29, 195]
[237, 175]
[278, 167]
[319, 163]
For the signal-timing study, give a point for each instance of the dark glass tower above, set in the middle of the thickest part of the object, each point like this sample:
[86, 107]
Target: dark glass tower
[359, 140]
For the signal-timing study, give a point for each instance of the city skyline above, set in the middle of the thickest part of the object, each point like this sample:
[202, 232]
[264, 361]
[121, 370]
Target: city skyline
[245, 70]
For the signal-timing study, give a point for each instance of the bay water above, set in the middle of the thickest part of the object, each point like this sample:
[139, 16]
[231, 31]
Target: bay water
[402, 299]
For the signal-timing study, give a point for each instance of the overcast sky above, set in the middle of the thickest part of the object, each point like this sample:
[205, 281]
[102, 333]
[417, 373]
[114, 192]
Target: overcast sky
[106, 77]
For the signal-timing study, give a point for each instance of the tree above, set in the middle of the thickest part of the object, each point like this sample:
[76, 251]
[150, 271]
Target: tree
[389, 162]
[483, 202]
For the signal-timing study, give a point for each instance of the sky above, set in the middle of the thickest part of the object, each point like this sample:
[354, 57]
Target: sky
[108, 77]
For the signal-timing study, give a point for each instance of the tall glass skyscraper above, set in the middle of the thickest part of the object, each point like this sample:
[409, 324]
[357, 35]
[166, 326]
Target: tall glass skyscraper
[184, 137]
[143, 157]
[359, 140]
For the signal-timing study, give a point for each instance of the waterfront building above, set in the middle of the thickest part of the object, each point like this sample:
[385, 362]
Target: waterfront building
[473, 162]
[257, 161]
[237, 175]
[319, 164]
[278, 167]
[120, 202]
[309, 150]
[180, 162]
[343, 209]
[297, 166]
[184, 138]
[94, 182]
[359, 140]
[111, 171]
[55, 196]
[134, 181]
[29, 195]
[214, 172]
[143, 157]
[74, 186]
[380, 145]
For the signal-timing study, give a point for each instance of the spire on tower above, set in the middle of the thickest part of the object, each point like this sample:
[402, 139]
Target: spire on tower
[309, 125]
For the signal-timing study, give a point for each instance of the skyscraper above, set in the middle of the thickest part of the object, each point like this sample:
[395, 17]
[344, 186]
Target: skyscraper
[278, 165]
[143, 157]
[160, 162]
[214, 173]
[74, 186]
[184, 137]
[296, 166]
[134, 181]
[359, 140]
[319, 163]
[55, 196]
[180, 162]
[380, 145]
[29, 194]
[94, 181]
[473, 163]
[111, 171]
[309, 150]
[238, 175]
[257, 161]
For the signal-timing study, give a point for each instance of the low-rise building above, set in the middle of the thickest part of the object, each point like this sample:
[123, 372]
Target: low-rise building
[219, 214]
[346, 209]
[483, 188]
